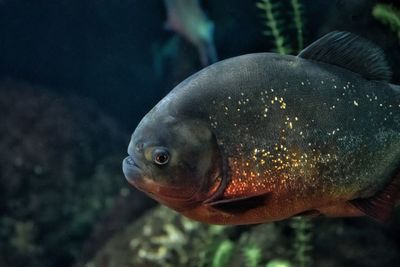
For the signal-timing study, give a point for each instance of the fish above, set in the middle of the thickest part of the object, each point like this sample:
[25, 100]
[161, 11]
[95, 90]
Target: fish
[266, 137]
[186, 18]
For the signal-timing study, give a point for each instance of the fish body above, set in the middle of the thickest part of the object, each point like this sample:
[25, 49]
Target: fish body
[186, 18]
[277, 136]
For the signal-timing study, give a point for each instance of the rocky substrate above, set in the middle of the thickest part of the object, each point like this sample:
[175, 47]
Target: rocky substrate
[164, 238]
[60, 175]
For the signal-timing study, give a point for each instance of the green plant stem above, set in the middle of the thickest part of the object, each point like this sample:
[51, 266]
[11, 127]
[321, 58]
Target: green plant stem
[297, 17]
[252, 255]
[388, 15]
[223, 254]
[272, 24]
[302, 242]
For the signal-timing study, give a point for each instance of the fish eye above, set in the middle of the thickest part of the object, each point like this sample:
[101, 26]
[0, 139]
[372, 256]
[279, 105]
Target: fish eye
[160, 156]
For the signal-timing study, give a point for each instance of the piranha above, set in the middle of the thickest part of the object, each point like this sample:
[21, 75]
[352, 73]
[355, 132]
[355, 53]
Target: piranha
[264, 137]
[186, 18]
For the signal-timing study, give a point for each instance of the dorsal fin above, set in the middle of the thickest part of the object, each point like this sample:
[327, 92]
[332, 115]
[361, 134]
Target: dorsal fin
[351, 52]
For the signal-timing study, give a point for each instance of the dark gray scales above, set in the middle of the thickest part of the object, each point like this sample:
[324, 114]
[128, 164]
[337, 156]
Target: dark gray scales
[337, 88]
[278, 135]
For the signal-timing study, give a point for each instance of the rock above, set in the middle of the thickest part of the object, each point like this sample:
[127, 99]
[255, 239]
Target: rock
[163, 238]
[60, 174]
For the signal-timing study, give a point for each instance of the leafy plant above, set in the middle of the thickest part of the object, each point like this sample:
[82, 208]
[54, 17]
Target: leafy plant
[274, 25]
[298, 22]
[252, 255]
[223, 253]
[302, 241]
[275, 21]
[388, 15]
[278, 263]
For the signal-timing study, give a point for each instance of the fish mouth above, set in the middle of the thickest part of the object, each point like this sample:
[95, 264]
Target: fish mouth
[131, 170]
[134, 175]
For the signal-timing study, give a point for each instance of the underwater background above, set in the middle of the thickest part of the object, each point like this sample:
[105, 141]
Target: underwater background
[75, 79]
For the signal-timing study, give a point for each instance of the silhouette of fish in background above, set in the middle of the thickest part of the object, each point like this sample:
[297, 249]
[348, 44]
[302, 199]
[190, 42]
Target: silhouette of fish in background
[186, 18]
[265, 137]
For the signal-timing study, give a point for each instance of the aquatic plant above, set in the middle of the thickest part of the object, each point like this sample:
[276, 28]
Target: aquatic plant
[274, 21]
[223, 253]
[279, 263]
[252, 255]
[298, 22]
[24, 239]
[274, 25]
[388, 15]
[302, 241]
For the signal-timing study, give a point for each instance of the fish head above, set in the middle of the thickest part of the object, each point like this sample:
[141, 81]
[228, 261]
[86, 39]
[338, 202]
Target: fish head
[175, 161]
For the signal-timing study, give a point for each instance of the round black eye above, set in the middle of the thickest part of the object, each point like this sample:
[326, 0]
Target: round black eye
[160, 156]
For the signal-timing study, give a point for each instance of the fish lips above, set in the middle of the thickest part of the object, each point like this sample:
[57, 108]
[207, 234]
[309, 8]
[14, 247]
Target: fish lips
[134, 175]
[131, 170]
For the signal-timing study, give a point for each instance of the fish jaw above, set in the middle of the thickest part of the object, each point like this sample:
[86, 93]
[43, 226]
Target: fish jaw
[131, 170]
[166, 195]
[134, 175]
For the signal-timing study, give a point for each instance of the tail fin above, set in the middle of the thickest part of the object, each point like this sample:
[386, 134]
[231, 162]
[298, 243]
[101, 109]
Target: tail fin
[380, 206]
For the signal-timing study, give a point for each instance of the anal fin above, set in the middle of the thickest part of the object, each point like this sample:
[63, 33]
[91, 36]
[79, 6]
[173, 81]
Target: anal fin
[308, 213]
[380, 207]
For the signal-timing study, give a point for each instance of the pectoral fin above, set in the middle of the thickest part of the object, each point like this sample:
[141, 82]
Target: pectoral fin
[381, 206]
[240, 205]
